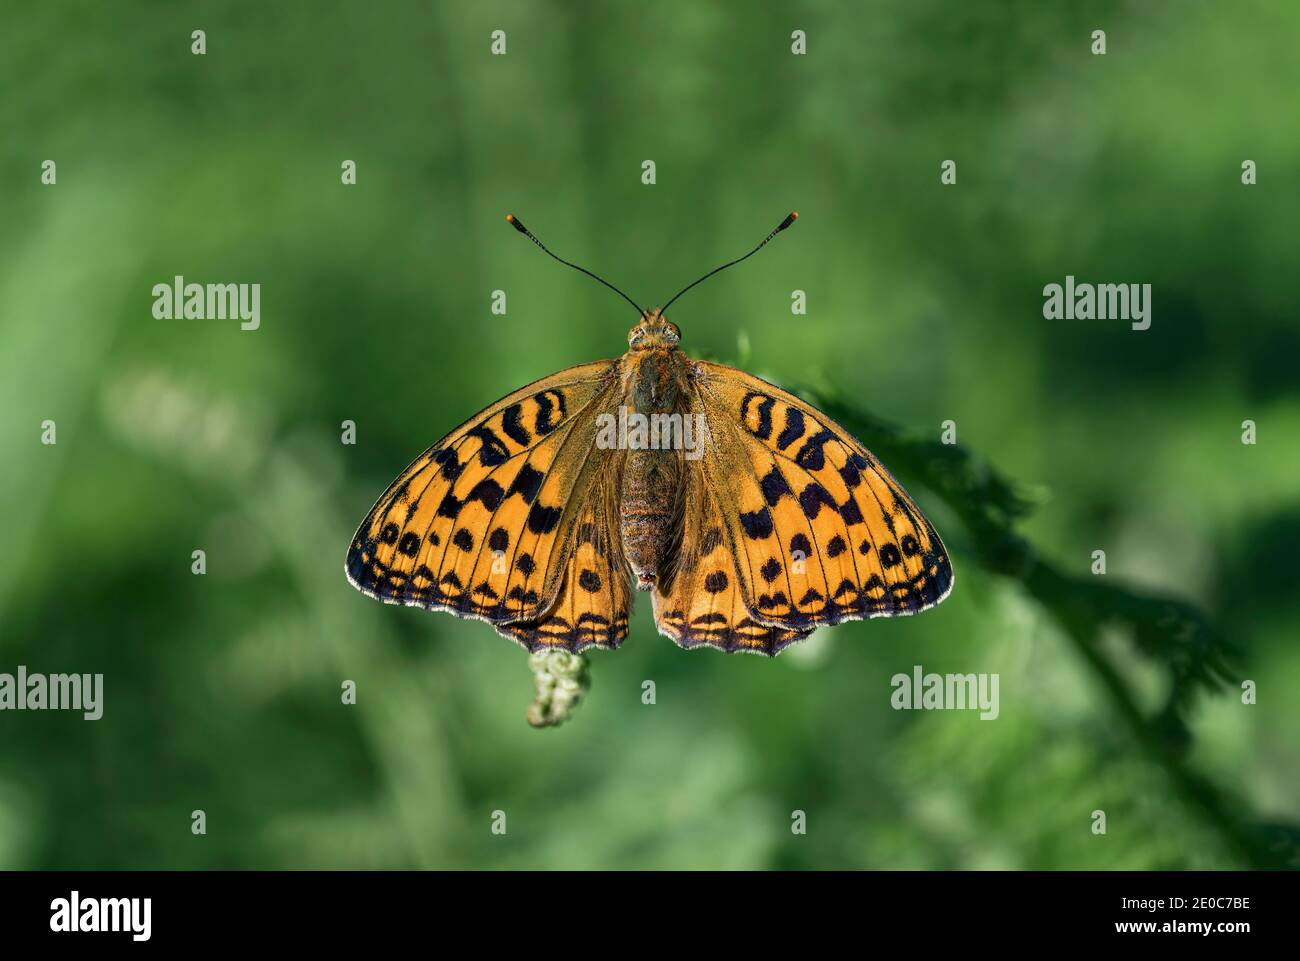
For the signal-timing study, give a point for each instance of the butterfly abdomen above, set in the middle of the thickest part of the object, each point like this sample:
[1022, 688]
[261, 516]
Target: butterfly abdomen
[652, 478]
[651, 482]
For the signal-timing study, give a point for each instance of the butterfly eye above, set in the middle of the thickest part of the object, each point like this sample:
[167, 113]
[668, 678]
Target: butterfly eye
[634, 336]
[673, 334]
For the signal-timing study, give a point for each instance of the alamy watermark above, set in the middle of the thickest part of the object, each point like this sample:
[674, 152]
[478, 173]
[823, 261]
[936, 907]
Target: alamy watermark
[1131, 302]
[75, 915]
[181, 301]
[634, 431]
[53, 692]
[919, 691]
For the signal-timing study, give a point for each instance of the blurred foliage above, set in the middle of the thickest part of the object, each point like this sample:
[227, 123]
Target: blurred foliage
[1179, 641]
[222, 692]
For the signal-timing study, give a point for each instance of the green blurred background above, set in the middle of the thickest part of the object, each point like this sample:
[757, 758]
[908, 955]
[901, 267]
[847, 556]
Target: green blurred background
[924, 305]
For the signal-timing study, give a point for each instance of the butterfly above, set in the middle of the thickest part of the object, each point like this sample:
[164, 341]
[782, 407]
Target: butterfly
[541, 513]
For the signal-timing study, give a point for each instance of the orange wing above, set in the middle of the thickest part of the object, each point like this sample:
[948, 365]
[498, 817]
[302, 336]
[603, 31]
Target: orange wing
[485, 524]
[813, 528]
[703, 601]
[595, 597]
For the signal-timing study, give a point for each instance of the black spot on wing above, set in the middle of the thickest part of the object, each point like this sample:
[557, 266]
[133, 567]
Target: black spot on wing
[774, 486]
[811, 457]
[542, 519]
[794, 428]
[550, 411]
[852, 470]
[493, 452]
[488, 492]
[850, 511]
[763, 408]
[716, 582]
[517, 593]
[448, 463]
[526, 483]
[813, 497]
[514, 429]
[757, 524]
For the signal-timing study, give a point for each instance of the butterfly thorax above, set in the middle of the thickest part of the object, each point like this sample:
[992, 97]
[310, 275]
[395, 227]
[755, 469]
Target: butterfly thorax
[654, 374]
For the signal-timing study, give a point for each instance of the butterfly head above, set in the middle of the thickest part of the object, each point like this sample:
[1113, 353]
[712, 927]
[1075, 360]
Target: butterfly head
[655, 332]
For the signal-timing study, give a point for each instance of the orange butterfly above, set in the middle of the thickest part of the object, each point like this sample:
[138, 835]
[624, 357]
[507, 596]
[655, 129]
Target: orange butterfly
[757, 520]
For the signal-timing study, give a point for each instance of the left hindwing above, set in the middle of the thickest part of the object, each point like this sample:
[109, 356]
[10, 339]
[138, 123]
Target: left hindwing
[595, 597]
[819, 529]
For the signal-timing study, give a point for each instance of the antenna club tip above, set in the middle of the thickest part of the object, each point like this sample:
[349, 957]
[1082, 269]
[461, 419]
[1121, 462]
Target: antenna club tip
[794, 215]
[515, 222]
[510, 218]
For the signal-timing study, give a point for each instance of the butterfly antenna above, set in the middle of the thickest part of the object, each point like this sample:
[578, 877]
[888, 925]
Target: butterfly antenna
[519, 226]
[790, 218]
